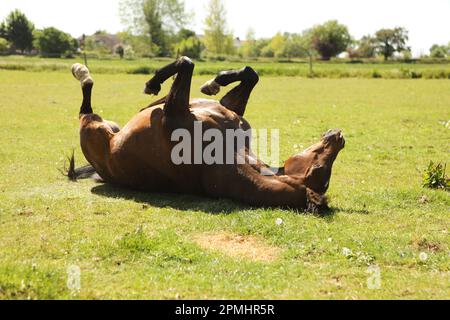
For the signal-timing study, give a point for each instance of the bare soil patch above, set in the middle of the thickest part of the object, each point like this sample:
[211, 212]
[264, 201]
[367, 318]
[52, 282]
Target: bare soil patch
[237, 246]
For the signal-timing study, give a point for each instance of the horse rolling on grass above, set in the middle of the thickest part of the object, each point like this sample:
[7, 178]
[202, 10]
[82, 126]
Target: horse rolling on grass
[139, 156]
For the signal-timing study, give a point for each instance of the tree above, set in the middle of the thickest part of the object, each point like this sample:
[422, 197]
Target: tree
[4, 46]
[18, 30]
[217, 36]
[190, 47]
[139, 45]
[295, 46]
[53, 43]
[157, 18]
[249, 49]
[3, 32]
[330, 39]
[367, 47]
[439, 52]
[277, 44]
[185, 34]
[390, 41]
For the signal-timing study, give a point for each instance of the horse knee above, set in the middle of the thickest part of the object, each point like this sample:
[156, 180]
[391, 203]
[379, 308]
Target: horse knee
[185, 63]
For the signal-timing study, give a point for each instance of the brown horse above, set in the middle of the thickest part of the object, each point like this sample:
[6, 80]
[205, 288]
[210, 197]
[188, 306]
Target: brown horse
[140, 156]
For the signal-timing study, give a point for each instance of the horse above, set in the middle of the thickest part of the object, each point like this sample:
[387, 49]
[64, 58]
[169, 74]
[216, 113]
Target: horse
[140, 156]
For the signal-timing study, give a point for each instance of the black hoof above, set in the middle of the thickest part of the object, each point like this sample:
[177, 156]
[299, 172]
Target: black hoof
[152, 87]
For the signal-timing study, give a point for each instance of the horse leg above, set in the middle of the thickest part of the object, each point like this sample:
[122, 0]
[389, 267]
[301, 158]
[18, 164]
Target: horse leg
[236, 100]
[95, 133]
[81, 73]
[177, 102]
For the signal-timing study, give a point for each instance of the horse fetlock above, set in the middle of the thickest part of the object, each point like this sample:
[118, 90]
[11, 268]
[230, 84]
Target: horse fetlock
[82, 74]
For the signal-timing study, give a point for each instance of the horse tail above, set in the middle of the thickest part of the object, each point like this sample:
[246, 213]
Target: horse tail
[85, 172]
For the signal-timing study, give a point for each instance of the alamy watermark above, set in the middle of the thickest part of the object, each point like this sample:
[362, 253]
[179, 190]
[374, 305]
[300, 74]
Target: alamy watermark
[74, 279]
[374, 280]
[231, 146]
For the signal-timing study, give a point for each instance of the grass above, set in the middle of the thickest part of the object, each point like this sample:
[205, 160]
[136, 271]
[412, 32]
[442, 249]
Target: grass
[268, 68]
[137, 245]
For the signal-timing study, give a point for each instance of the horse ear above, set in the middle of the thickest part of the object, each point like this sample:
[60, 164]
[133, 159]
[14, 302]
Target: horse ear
[316, 203]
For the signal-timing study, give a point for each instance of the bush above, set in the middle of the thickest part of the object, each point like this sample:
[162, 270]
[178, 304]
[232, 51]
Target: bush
[4, 46]
[141, 70]
[435, 177]
[190, 47]
[54, 43]
[376, 75]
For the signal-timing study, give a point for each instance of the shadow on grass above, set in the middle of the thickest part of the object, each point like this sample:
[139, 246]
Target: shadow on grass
[332, 212]
[175, 201]
[185, 202]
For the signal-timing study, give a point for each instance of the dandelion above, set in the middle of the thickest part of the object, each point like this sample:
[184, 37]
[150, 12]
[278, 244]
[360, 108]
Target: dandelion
[279, 222]
[347, 252]
[423, 256]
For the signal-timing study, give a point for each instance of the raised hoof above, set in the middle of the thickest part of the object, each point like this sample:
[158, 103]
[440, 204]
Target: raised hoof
[152, 88]
[210, 88]
[81, 73]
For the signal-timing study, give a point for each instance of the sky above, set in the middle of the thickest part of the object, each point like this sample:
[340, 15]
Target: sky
[428, 21]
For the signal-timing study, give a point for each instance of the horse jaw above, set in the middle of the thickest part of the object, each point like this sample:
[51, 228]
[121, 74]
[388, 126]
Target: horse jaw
[314, 165]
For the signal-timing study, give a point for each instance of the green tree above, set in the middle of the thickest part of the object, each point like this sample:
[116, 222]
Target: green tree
[139, 45]
[157, 18]
[52, 42]
[4, 46]
[277, 44]
[367, 47]
[190, 47]
[390, 41]
[306, 41]
[18, 30]
[330, 39]
[217, 36]
[295, 46]
[249, 49]
[439, 52]
[3, 32]
[185, 34]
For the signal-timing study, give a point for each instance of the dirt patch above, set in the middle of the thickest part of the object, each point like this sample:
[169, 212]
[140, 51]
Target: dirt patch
[247, 247]
[425, 244]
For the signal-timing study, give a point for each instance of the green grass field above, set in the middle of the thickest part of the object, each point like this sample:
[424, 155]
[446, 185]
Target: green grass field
[136, 245]
[298, 68]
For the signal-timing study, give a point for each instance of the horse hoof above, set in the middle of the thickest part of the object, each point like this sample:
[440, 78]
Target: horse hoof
[81, 73]
[152, 87]
[210, 88]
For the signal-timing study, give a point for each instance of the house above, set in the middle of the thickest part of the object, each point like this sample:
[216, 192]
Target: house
[110, 41]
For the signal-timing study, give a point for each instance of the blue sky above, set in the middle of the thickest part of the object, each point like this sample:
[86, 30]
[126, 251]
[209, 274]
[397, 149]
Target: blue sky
[428, 21]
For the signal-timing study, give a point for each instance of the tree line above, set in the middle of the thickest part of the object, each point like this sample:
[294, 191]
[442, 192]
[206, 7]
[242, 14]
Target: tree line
[159, 28]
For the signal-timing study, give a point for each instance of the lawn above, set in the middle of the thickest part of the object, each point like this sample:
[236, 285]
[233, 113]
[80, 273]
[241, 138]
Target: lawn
[151, 246]
[331, 69]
